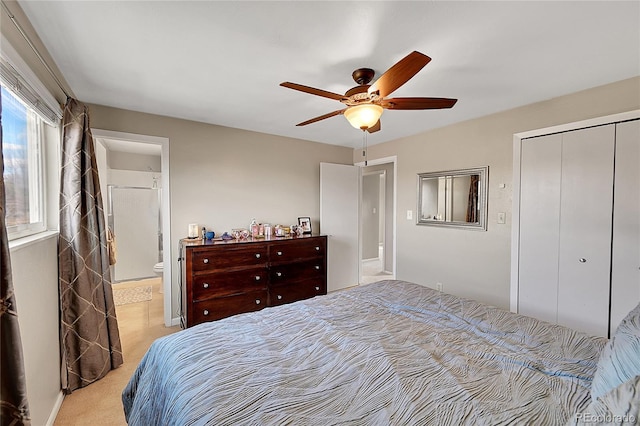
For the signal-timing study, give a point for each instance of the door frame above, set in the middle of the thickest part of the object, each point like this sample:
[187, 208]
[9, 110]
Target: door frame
[382, 193]
[165, 207]
[384, 160]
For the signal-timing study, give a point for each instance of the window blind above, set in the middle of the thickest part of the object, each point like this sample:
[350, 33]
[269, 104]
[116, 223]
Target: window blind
[12, 80]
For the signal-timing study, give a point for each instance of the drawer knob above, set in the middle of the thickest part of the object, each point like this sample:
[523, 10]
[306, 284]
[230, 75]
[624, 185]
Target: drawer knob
[582, 260]
[257, 255]
[318, 267]
[205, 312]
[257, 277]
[279, 297]
[279, 274]
[317, 288]
[205, 285]
[279, 253]
[317, 248]
[206, 260]
[257, 301]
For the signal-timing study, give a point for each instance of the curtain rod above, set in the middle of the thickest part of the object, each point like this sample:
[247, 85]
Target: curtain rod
[31, 45]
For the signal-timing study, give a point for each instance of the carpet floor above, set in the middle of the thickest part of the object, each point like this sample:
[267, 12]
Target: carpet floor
[100, 403]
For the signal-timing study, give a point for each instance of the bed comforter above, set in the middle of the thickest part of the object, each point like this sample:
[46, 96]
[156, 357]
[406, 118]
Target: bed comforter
[388, 353]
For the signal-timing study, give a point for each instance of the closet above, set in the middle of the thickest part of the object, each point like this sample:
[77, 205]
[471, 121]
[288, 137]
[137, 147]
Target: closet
[576, 236]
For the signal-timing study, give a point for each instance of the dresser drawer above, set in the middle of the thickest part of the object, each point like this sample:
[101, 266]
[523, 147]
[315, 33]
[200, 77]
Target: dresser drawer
[297, 291]
[229, 283]
[222, 307]
[223, 257]
[288, 272]
[293, 250]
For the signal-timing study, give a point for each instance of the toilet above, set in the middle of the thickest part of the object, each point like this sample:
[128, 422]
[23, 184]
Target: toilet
[158, 269]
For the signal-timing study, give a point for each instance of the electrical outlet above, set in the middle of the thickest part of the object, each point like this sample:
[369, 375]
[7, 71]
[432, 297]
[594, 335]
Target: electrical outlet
[439, 286]
[409, 214]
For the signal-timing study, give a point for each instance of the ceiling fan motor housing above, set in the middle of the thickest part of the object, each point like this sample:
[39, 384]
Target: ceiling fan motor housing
[363, 76]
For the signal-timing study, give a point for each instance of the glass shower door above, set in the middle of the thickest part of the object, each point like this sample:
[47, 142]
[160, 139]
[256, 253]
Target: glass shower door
[134, 218]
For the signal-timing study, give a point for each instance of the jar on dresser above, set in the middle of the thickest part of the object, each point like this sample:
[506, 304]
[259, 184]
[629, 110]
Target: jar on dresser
[224, 278]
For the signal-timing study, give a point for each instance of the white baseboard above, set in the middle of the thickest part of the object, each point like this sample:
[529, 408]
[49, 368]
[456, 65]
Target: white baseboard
[175, 321]
[56, 408]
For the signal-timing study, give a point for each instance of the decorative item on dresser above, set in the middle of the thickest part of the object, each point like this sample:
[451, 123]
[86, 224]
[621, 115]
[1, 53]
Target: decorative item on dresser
[224, 278]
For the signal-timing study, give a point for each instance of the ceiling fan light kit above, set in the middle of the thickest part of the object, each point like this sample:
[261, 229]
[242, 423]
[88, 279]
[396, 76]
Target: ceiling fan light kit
[365, 103]
[363, 116]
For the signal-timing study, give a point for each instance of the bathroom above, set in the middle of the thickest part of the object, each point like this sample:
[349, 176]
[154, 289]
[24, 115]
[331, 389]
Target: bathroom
[130, 180]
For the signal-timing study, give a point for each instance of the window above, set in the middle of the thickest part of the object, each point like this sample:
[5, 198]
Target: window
[22, 144]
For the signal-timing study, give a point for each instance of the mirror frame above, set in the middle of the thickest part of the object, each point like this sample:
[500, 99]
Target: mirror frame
[483, 190]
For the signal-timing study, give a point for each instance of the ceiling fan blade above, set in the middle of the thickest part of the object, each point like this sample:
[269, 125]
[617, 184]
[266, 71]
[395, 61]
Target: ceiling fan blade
[399, 74]
[313, 91]
[418, 103]
[374, 128]
[322, 117]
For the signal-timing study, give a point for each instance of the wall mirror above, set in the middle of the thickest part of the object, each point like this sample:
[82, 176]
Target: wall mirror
[454, 198]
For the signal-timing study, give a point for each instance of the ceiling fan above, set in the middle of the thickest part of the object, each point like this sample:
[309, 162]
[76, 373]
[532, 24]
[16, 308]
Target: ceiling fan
[366, 102]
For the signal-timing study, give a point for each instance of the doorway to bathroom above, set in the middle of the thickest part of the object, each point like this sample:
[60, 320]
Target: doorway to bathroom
[134, 180]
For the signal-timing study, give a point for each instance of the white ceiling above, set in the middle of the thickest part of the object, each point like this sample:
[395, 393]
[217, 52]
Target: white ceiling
[222, 62]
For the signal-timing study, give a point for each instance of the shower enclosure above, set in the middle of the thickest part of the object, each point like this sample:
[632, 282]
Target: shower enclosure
[134, 216]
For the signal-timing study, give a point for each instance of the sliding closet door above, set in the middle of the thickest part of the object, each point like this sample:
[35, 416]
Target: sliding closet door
[585, 229]
[539, 227]
[625, 272]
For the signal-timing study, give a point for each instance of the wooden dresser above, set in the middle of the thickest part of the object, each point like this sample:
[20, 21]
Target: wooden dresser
[224, 278]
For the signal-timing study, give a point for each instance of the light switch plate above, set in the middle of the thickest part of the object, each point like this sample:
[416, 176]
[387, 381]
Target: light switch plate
[409, 214]
[502, 218]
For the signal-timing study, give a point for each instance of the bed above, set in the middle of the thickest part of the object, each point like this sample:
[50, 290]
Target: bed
[387, 353]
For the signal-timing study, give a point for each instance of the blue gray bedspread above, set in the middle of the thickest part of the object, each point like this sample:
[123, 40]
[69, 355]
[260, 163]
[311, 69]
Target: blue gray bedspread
[388, 353]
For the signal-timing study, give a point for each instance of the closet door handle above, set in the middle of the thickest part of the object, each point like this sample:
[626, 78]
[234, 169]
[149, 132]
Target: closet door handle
[582, 260]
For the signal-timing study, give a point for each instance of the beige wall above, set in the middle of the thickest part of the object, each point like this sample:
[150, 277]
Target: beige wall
[222, 178]
[472, 263]
[128, 161]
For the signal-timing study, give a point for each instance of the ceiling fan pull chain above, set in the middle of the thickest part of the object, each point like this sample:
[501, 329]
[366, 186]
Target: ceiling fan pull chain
[364, 145]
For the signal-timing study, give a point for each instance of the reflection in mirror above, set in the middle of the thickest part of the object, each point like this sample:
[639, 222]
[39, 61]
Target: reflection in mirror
[453, 198]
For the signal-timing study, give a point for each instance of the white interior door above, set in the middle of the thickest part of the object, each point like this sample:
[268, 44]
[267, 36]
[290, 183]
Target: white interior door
[585, 229]
[339, 220]
[625, 270]
[540, 177]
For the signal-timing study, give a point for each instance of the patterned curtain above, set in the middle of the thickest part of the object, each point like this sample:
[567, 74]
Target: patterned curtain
[90, 341]
[14, 407]
[472, 205]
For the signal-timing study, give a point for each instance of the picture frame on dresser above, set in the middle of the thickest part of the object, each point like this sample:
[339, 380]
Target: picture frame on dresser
[305, 224]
